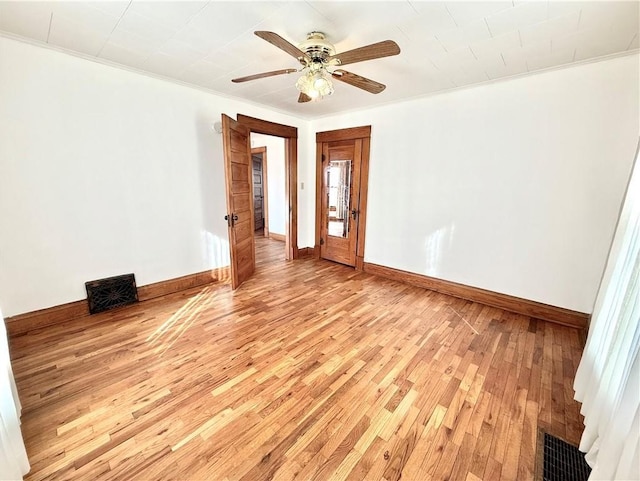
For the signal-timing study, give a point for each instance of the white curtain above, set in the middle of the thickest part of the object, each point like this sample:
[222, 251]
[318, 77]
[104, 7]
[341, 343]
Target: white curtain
[608, 378]
[13, 457]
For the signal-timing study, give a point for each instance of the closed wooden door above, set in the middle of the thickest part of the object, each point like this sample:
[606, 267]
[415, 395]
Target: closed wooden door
[258, 193]
[340, 200]
[237, 168]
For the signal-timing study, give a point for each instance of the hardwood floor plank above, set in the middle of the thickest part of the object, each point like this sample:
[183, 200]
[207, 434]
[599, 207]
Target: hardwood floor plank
[310, 371]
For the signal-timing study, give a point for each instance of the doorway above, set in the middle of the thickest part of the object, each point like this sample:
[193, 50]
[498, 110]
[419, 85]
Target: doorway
[238, 185]
[260, 191]
[341, 194]
[290, 137]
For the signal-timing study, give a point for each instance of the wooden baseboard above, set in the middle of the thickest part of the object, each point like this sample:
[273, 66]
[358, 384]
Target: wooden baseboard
[305, 252]
[525, 307]
[278, 237]
[163, 288]
[23, 323]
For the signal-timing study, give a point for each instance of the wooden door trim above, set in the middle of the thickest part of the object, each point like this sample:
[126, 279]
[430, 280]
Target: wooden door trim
[265, 189]
[290, 135]
[344, 134]
[260, 126]
[353, 133]
[364, 189]
[316, 247]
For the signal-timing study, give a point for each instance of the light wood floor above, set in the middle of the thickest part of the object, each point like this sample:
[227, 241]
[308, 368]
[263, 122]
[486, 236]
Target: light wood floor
[309, 371]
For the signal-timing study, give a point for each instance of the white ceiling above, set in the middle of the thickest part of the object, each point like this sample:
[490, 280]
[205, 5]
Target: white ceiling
[444, 45]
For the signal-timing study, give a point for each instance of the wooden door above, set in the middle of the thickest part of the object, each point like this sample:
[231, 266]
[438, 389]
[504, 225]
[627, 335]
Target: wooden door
[340, 201]
[237, 168]
[258, 193]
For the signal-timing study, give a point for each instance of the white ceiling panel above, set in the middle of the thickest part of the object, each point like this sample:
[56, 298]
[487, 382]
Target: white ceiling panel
[469, 12]
[417, 47]
[468, 76]
[145, 27]
[522, 15]
[117, 54]
[228, 62]
[590, 43]
[204, 41]
[458, 58]
[132, 41]
[552, 29]
[166, 65]
[75, 36]
[202, 71]
[560, 9]
[612, 15]
[372, 14]
[516, 55]
[307, 19]
[181, 50]
[30, 20]
[85, 15]
[228, 20]
[433, 17]
[171, 14]
[463, 36]
[493, 46]
[112, 7]
[443, 45]
[558, 56]
[502, 68]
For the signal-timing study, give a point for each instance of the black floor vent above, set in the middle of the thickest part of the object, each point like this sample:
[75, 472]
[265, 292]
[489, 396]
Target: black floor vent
[112, 292]
[563, 462]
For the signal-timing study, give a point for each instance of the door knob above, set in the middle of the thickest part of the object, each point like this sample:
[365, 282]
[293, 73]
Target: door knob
[231, 218]
[354, 213]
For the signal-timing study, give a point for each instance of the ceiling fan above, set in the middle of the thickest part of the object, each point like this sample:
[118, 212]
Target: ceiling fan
[317, 56]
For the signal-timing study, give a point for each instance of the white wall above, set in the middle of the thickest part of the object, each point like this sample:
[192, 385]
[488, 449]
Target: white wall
[513, 187]
[104, 172]
[275, 179]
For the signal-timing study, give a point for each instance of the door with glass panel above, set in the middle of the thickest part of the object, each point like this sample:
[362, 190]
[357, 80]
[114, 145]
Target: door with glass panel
[340, 200]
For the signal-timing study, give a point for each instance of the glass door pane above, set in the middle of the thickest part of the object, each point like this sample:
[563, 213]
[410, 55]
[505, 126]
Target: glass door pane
[338, 197]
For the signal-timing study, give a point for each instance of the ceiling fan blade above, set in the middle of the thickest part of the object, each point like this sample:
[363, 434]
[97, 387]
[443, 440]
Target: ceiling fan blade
[386, 48]
[282, 44]
[302, 98]
[359, 81]
[263, 75]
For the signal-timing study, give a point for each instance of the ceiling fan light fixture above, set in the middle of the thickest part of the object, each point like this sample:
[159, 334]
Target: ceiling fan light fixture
[316, 84]
[317, 55]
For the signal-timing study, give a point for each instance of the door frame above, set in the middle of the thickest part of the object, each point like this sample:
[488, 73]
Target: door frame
[290, 135]
[353, 133]
[265, 190]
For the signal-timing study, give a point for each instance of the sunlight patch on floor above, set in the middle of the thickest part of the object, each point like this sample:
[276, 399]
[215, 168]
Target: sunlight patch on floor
[174, 327]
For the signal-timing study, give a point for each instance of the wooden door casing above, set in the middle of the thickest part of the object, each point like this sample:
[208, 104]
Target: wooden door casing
[237, 163]
[290, 136]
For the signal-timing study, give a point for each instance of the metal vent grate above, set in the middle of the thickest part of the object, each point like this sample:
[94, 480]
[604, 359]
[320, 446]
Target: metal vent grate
[563, 462]
[112, 292]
